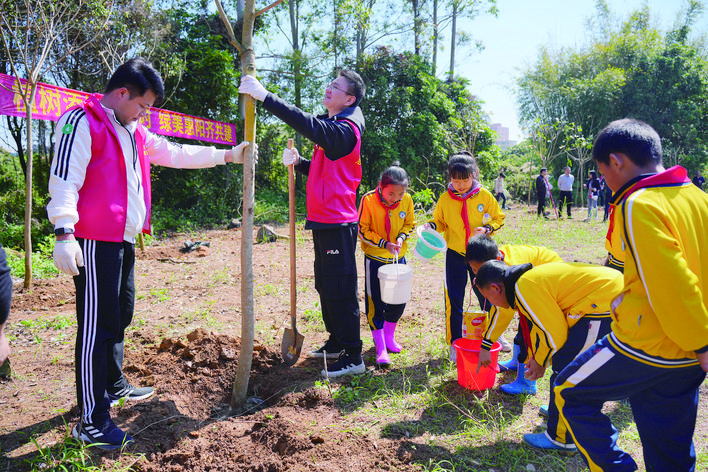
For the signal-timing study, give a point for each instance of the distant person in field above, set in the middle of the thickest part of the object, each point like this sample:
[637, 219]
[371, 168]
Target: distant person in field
[499, 191]
[5, 302]
[481, 249]
[464, 210]
[333, 177]
[698, 180]
[542, 190]
[593, 187]
[565, 185]
[657, 353]
[607, 199]
[567, 308]
[100, 201]
[386, 220]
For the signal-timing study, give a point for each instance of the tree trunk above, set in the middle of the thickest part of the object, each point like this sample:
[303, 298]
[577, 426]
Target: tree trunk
[416, 27]
[245, 360]
[297, 73]
[335, 4]
[29, 105]
[435, 35]
[453, 39]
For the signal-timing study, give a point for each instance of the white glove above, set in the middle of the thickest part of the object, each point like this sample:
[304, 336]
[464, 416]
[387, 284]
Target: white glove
[290, 156]
[251, 86]
[237, 152]
[68, 257]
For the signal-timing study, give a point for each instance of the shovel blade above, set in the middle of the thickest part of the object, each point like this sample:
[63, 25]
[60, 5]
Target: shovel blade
[291, 346]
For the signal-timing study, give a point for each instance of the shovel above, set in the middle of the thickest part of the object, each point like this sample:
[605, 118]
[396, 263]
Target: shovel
[292, 340]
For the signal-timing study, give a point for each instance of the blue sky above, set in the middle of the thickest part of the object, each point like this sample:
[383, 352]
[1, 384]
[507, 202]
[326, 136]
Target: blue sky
[513, 38]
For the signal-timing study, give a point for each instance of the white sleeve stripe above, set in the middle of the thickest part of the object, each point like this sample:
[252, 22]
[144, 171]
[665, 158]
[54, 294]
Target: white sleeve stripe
[537, 321]
[628, 206]
[61, 169]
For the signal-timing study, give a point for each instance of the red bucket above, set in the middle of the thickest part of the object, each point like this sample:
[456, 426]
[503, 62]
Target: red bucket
[467, 351]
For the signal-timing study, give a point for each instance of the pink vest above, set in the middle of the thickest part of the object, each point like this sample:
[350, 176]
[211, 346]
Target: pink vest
[331, 185]
[103, 198]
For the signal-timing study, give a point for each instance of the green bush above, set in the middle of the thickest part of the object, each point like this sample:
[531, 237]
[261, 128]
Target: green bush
[42, 260]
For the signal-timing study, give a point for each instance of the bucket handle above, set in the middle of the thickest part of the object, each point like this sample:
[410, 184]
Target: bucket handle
[469, 300]
[395, 262]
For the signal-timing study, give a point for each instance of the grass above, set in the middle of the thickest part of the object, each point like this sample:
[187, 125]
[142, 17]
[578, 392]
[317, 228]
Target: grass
[419, 399]
[72, 455]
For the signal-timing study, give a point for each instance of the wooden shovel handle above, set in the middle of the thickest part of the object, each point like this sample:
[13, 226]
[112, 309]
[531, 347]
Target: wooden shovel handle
[291, 217]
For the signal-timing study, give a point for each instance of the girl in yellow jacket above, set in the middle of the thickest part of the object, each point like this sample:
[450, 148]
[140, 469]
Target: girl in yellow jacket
[466, 209]
[386, 219]
[567, 306]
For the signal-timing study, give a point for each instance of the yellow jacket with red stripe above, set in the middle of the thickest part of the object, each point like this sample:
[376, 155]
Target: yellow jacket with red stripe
[372, 225]
[498, 318]
[482, 209]
[555, 296]
[613, 240]
[663, 310]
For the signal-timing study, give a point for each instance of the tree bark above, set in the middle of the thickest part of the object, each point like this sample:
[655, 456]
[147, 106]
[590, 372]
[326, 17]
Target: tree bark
[29, 105]
[435, 35]
[245, 360]
[453, 39]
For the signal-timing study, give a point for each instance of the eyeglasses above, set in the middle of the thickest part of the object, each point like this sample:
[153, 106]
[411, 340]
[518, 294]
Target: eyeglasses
[334, 86]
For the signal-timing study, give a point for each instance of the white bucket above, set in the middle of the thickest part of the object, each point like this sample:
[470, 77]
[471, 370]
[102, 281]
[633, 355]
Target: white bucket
[395, 282]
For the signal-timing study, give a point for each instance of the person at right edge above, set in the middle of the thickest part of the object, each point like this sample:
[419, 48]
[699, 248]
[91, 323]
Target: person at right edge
[333, 176]
[5, 302]
[657, 352]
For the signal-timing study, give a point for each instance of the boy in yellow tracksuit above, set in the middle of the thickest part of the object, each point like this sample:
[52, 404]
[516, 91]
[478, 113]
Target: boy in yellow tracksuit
[657, 353]
[481, 249]
[567, 306]
[386, 219]
[464, 210]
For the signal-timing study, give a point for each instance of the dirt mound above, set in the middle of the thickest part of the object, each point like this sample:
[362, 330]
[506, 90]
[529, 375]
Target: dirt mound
[179, 429]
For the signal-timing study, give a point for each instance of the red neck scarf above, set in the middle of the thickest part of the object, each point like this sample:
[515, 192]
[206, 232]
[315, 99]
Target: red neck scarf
[388, 212]
[463, 198]
[671, 177]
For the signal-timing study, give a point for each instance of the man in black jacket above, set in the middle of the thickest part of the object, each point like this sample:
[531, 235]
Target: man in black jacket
[541, 191]
[334, 173]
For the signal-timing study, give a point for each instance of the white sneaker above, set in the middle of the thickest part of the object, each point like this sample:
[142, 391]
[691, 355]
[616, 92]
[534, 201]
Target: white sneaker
[506, 346]
[345, 365]
[453, 354]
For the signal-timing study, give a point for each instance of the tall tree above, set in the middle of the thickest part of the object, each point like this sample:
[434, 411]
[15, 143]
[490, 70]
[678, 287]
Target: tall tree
[619, 74]
[37, 35]
[248, 61]
[469, 9]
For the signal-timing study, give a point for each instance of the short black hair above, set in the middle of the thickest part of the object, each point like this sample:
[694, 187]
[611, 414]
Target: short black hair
[481, 249]
[357, 88]
[543, 169]
[394, 175]
[502, 175]
[633, 138]
[491, 272]
[138, 76]
[462, 165]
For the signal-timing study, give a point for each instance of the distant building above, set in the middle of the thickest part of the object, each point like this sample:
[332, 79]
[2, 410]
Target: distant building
[503, 140]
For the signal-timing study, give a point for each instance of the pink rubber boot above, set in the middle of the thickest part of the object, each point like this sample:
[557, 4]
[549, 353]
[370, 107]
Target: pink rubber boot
[389, 330]
[381, 353]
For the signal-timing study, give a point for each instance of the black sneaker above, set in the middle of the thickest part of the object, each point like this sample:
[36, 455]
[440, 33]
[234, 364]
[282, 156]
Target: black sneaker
[331, 347]
[104, 436]
[346, 364]
[129, 392]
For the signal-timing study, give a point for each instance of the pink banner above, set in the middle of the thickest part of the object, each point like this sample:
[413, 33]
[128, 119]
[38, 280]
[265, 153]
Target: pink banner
[52, 101]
